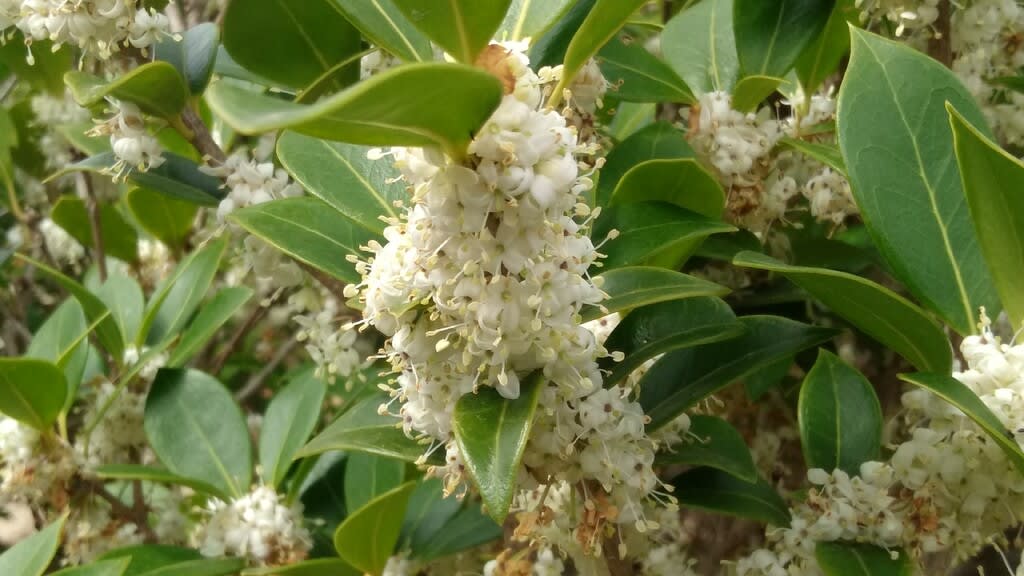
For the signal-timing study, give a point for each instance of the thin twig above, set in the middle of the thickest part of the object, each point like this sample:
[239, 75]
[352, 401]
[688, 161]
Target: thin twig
[257, 380]
[196, 132]
[86, 191]
[940, 46]
[236, 338]
[135, 515]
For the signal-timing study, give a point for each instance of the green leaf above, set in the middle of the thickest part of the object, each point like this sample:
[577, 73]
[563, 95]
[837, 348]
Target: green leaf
[653, 233]
[427, 515]
[193, 55]
[367, 537]
[681, 379]
[549, 49]
[368, 476]
[469, 528]
[165, 217]
[462, 27]
[821, 58]
[341, 175]
[59, 340]
[683, 182]
[899, 155]
[32, 391]
[635, 286]
[100, 568]
[956, 393]
[309, 231]
[872, 308]
[47, 71]
[221, 308]
[827, 154]
[317, 567]
[148, 557]
[95, 310]
[491, 432]
[851, 559]
[452, 102]
[530, 18]
[660, 140]
[198, 431]
[700, 45]
[156, 88]
[204, 567]
[994, 183]
[289, 420]
[124, 298]
[656, 329]
[722, 493]
[362, 429]
[840, 416]
[712, 442]
[119, 238]
[179, 295]
[600, 25]
[178, 177]
[386, 27]
[151, 474]
[33, 555]
[636, 75]
[771, 34]
[752, 90]
[308, 38]
[759, 383]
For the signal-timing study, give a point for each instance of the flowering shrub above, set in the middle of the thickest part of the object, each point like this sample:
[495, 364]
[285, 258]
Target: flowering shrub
[610, 287]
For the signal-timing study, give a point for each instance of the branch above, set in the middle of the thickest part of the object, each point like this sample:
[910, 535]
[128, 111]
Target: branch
[137, 514]
[940, 46]
[236, 338]
[257, 380]
[193, 128]
[85, 190]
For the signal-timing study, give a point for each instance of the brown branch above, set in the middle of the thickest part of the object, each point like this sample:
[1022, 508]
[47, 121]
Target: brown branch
[199, 135]
[137, 514]
[85, 190]
[940, 46]
[257, 380]
[236, 338]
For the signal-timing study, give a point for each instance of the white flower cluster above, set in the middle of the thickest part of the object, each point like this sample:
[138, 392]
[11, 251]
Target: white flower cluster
[98, 27]
[334, 350]
[133, 146]
[132, 355]
[909, 16]
[667, 554]
[33, 468]
[481, 283]
[92, 530]
[52, 112]
[376, 62]
[60, 245]
[154, 261]
[119, 437]
[257, 526]
[949, 487]
[249, 182]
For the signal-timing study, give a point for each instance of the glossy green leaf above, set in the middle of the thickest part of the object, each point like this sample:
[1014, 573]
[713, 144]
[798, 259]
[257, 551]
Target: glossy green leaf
[492, 432]
[712, 442]
[316, 567]
[469, 528]
[368, 476]
[549, 49]
[192, 56]
[32, 391]
[722, 493]
[853, 559]
[151, 474]
[123, 296]
[759, 383]
[203, 567]
[198, 431]
[107, 331]
[210, 318]
[362, 429]
[178, 177]
[341, 175]
[452, 102]
[957, 394]
[148, 557]
[771, 34]
[32, 556]
[165, 217]
[101, 568]
[600, 25]
[289, 420]
[308, 38]
[156, 88]
[752, 90]
[635, 286]
[462, 27]
[994, 183]
[119, 238]
[531, 18]
[682, 378]
[636, 75]
[628, 118]
[659, 328]
[385, 26]
[367, 538]
[840, 416]
[700, 45]
[822, 56]
[309, 231]
[660, 140]
[899, 155]
[179, 295]
[652, 233]
[872, 308]
[827, 154]
[427, 515]
[683, 182]
[59, 340]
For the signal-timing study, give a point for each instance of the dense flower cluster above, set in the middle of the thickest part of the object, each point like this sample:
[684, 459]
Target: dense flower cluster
[258, 526]
[34, 469]
[249, 182]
